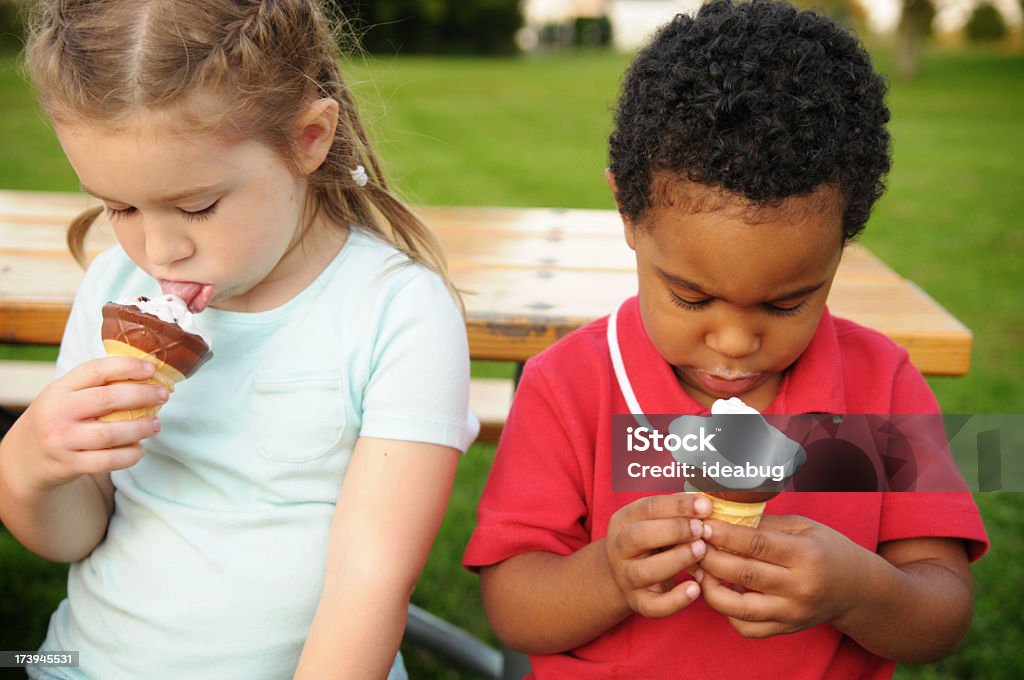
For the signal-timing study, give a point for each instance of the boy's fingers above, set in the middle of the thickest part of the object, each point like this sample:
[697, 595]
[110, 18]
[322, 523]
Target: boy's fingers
[762, 544]
[674, 505]
[649, 571]
[641, 538]
[750, 573]
[747, 607]
[668, 505]
[787, 524]
[657, 605]
[757, 630]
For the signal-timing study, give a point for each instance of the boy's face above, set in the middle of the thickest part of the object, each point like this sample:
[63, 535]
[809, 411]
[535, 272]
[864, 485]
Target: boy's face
[730, 295]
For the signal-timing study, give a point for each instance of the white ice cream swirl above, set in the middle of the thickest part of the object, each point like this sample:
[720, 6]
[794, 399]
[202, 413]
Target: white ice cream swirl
[169, 309]
[774, 452]
[731, 406]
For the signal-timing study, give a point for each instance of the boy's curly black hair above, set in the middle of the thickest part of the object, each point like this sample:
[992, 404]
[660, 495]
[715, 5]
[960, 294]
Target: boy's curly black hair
[759, 99]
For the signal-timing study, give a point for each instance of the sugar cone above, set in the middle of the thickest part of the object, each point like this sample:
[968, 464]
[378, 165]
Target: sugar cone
[742, 514]
[176, 353]
[165, 375]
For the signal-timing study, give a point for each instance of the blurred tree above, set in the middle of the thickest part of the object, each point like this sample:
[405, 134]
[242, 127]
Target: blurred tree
[11, 24]
[852, 14]
[914, 28]
[435, 26]
[592, 31]
[986, 23]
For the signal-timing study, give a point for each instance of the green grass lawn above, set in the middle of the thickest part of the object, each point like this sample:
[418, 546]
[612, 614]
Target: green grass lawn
[533, 132]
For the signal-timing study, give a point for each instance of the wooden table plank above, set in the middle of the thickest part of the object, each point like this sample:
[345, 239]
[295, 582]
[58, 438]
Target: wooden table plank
[531, 275]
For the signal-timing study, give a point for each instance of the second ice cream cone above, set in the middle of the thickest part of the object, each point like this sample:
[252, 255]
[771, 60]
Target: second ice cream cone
[742, 514]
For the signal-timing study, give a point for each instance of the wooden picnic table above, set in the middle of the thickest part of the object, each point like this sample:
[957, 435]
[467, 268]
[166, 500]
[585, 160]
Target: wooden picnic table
[530, 275]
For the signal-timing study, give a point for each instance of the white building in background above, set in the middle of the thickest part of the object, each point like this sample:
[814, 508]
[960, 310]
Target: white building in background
[540, 12]
[633, 21]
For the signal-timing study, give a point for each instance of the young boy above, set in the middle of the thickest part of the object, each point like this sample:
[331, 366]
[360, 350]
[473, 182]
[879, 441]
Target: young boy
[749, 147]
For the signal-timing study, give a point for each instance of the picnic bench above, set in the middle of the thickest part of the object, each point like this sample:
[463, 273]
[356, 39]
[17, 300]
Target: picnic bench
[529, 276]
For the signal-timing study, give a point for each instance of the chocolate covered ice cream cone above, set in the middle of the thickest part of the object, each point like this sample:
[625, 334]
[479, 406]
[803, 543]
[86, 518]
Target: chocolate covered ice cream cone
[128, 330]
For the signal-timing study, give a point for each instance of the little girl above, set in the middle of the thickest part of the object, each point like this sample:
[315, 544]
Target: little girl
[278, 512]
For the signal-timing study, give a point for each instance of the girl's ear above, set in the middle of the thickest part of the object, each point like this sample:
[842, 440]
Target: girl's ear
[313, 133]
[627, 224]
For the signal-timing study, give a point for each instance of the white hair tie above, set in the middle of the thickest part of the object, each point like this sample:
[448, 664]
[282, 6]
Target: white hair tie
[359, 176]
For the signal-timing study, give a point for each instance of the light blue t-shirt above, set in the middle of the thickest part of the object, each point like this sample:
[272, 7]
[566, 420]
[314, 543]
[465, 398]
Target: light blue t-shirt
[213, 561]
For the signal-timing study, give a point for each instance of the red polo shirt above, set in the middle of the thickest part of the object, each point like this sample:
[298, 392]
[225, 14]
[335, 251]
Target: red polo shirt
[550, 489]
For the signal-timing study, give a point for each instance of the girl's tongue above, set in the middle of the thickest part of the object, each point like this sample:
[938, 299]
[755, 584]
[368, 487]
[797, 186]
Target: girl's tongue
[196, 295]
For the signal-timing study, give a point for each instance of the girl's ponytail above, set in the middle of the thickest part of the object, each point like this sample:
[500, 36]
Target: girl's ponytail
[77, 231]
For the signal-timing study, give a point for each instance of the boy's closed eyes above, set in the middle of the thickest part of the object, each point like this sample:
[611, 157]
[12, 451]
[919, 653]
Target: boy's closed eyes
[693, 297]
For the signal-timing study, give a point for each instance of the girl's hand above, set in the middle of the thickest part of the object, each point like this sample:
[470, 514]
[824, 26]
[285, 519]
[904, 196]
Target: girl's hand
[650, 541]
[59, 438]
[789, 574]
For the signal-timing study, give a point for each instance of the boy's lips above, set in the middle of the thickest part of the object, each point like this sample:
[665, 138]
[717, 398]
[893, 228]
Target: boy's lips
[732, 385]
[195, 295]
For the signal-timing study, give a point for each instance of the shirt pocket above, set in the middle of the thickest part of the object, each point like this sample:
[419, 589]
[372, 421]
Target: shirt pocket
[297, 418]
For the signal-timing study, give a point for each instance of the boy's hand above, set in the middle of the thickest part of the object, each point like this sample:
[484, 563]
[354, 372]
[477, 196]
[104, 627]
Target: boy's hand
[58, 438]
[789, 574]
[649, 543]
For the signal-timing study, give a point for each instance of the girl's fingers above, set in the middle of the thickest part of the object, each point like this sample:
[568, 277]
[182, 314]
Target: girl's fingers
[107, 460]
[93, 402]
[107, 370]
[95, 447]
[98, 436]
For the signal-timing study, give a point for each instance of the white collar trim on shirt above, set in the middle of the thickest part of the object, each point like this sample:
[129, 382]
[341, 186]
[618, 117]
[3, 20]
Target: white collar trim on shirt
[620, 370]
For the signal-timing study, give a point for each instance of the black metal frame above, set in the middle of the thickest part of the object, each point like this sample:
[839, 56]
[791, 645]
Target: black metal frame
[461, 650]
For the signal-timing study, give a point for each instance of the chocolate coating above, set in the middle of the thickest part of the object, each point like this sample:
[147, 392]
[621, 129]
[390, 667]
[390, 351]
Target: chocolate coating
[166, 342]
[744, 496]
[711, 488]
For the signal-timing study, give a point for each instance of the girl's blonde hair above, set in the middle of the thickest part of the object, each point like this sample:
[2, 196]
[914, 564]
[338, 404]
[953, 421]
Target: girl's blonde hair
[103, 61]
